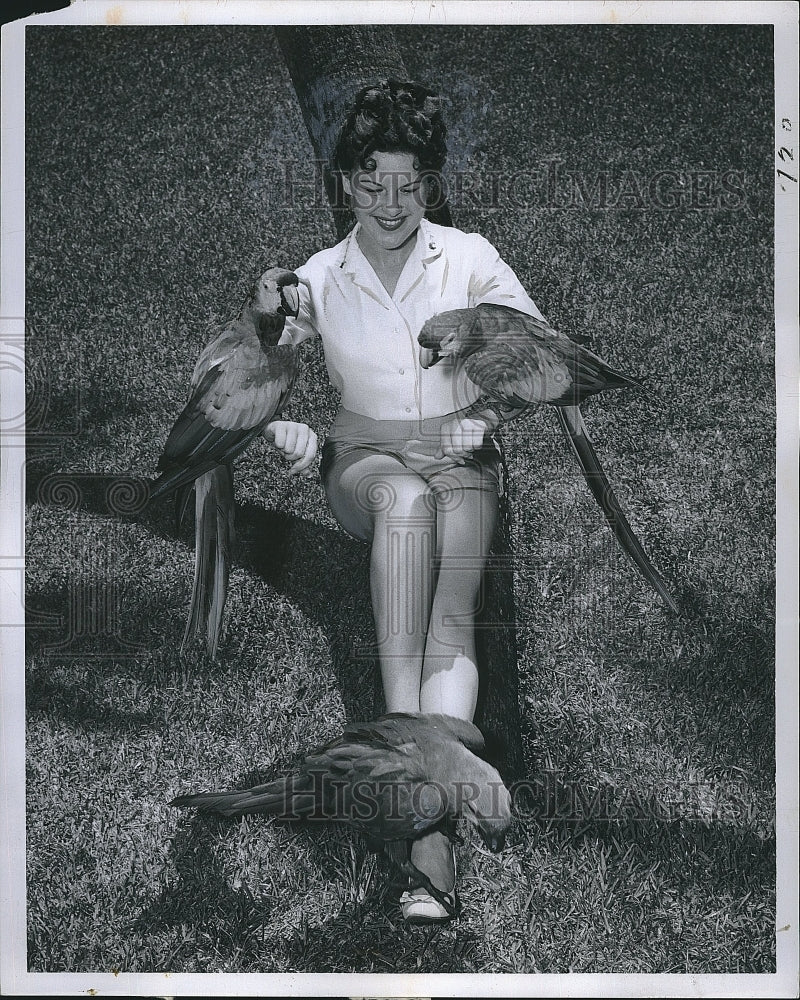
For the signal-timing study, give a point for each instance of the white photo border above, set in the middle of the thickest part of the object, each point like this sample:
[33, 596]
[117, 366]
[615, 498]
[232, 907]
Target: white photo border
[14, 977]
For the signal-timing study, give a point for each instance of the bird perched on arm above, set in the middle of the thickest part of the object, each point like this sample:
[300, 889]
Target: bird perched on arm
[517, 360]
[393, 780]
[241, 382]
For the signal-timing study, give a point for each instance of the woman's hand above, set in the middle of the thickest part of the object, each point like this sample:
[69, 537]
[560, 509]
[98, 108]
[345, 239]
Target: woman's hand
[297, 443]
[461, 436]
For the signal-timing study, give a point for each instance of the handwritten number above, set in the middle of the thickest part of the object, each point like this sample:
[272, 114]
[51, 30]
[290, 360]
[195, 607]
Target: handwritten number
[784, 154]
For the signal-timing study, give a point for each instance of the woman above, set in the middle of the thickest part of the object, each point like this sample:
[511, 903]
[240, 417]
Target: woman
[409, 465]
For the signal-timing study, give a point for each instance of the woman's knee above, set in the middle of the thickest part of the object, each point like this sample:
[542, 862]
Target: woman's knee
[399, 499]
[378, 491]
[466, 526]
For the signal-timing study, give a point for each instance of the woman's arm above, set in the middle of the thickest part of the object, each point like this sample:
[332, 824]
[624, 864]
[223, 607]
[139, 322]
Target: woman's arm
[462, 435]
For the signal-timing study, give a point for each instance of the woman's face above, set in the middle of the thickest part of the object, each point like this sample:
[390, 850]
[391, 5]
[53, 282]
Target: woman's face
[389, 200]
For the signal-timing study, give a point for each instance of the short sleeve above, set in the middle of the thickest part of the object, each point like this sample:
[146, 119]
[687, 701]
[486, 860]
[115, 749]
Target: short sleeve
[303, 326]
[492, 281]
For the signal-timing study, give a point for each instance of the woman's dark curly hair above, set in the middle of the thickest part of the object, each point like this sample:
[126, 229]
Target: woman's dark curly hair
[392, 116]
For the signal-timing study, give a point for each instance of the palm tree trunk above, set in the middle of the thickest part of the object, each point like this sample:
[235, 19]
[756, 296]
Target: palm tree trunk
[327, 66]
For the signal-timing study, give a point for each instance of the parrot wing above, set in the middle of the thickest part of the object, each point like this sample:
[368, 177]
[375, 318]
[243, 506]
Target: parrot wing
[372, 749]
[523, 360]
[379, 789]
[238, 383]
[415, 726]
[465, 732]
[233, 400]
[519, 373]
[369, 785]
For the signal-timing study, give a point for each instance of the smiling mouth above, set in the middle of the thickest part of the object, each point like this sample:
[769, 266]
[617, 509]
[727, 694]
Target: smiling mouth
[390, 225]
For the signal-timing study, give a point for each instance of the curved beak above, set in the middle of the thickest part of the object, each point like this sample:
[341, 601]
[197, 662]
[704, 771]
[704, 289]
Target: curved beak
[428, 357]
[290, 300]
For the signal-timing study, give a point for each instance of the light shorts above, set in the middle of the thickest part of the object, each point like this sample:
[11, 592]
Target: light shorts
[413, 443]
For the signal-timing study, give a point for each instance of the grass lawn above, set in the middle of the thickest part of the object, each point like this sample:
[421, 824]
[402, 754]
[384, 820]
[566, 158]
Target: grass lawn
[156, 191]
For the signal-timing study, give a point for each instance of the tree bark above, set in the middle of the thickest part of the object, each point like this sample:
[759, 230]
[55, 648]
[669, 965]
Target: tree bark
[327, 66]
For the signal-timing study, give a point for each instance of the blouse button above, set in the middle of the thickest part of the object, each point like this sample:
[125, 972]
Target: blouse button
[408, 409]
[402, 371]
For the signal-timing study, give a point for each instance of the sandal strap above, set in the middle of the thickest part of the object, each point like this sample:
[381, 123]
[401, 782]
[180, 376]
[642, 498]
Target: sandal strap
[420, 905]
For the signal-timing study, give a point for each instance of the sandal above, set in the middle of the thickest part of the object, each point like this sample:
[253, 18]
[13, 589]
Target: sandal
[419, 907]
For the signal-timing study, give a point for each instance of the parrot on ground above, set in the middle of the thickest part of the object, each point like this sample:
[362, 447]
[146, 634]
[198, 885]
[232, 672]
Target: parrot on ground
[241, 382]
[393, 780]
[517, 360]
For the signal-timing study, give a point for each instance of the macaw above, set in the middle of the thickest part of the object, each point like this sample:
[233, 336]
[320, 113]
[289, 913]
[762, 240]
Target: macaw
[516, 361]
[241, 382]
[393, 780]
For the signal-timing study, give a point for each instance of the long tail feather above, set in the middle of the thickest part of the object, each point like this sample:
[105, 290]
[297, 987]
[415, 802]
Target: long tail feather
[235, 803]
[213, 544]
[572, 423]
[204, 541]
[182, 497]
[290, 797]
[223, 481]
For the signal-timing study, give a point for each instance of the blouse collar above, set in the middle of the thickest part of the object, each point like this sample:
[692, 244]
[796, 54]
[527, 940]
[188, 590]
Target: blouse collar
[427, 249]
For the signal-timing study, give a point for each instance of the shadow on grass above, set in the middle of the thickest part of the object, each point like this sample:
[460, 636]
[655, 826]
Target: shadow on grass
[720, 679]
[270, 931]
[281, 548]
[664, 871]
[278, 547]
[201, 900]
[322, 571]
[709, 662]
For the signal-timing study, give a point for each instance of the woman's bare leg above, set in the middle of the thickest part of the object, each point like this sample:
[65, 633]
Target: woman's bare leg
[428, 663]
[379, 499]
[465, 528]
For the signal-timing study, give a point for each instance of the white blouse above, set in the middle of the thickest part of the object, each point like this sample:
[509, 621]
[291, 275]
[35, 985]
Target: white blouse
[370, 337]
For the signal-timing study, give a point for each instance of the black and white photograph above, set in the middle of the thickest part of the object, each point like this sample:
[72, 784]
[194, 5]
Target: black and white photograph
[399, 485]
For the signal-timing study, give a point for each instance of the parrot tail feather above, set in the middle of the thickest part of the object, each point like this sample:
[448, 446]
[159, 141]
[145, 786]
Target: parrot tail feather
[182, 497]
[213, 544]
[226, 803]
[575, 430]
[222, 561]
[289, 797]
